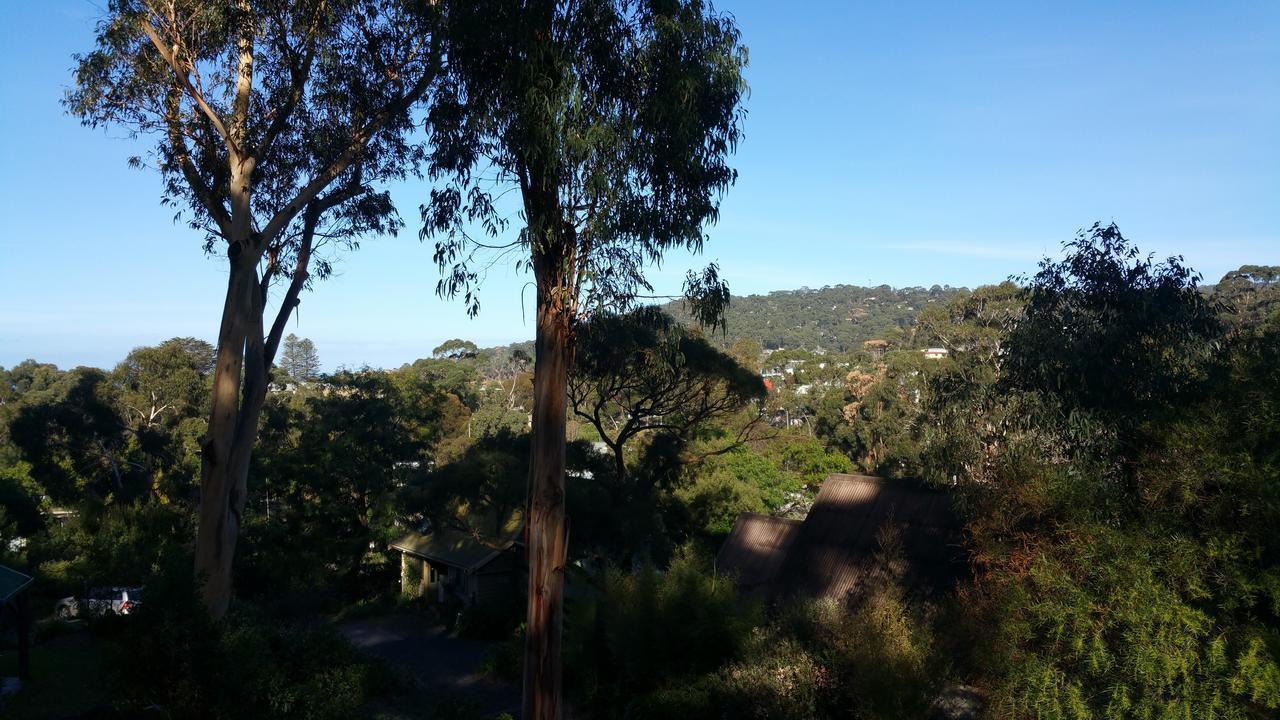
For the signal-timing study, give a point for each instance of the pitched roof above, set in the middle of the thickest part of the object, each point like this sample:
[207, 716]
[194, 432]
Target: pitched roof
[12, 582]
[834, 549]
[454, 548]
[755, 549]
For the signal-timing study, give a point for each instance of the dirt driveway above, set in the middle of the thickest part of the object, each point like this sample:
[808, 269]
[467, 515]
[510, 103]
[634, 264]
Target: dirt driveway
[434, 658]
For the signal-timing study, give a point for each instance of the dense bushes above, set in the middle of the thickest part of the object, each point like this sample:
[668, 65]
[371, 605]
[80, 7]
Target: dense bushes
[681, 643]
[173, 660]
[817, 659]
[1121, 479]
[640, 629]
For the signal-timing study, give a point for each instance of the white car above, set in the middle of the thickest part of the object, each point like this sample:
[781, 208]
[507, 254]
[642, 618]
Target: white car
[101, 601]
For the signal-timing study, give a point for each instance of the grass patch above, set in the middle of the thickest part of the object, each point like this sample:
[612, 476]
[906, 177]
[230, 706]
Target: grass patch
[66, 678]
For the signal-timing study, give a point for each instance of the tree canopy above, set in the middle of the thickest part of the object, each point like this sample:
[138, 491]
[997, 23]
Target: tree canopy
[274, 123]
[642, 372]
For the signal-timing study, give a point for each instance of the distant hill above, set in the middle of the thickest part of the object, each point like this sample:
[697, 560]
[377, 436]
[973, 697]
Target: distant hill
[835, 318]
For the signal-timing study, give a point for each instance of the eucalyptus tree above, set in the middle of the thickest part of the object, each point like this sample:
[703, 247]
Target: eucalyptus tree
[614, 121]
[164, 384]
[273, 122]
[641, 373]
[1110, 332]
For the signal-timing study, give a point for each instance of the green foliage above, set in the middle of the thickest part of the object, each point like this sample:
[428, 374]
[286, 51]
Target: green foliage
[569, 103]
[811, 461]
[727, 485]
[105, 546]
[174, 659]
[641, 375]
[1134, 623]
[874, 416]
[482, 492]
[1108, 331]
[455, 349]
[309, 112]
[73, 436]
[299, 359]
[656, 373]
[165, 384]
[837, 318]
[875, 658]
[1119, 469]
[1250, 295]
[330, 463]
[613, 653]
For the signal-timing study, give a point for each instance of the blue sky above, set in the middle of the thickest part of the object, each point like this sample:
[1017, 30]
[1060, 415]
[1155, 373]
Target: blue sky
[901, 143]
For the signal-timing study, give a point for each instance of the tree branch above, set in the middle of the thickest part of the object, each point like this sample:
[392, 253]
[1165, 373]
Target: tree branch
[299, 75]
[183, 79]
[300, 273]
[212, 205]
[359, 140]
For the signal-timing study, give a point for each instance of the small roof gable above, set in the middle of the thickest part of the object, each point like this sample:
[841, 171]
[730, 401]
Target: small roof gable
[454, 548]
[12, 582]
[755, 549]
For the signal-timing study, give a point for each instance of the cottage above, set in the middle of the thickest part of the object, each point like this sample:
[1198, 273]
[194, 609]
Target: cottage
[454, 566]
[935, 353]
[834, 550]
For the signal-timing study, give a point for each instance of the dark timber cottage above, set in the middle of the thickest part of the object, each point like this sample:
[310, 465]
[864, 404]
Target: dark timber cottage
[833, 551]
[455, 566]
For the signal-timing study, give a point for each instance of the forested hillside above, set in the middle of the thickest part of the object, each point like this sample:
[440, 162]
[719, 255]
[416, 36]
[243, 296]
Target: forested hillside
[835, 318]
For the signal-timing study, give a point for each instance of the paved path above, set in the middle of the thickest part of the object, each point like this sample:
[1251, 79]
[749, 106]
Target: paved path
[434, 657]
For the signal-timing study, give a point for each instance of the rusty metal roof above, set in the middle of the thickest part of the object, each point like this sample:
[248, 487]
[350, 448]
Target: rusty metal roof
[755, 549]
[836, 548]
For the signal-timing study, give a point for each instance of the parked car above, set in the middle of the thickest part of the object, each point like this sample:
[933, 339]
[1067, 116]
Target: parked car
[100, 601]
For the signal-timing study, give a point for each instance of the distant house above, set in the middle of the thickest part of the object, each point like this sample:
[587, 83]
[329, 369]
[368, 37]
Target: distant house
[935, 353]
[455, 566]
[834, 550]
[875, 348]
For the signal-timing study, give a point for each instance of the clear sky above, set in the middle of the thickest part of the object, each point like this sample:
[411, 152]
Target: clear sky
[888, 142]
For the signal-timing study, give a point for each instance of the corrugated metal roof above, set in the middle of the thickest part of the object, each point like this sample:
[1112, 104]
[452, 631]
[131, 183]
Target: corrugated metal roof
[835, 548]
[755, 549]
[11, 583]
[837, 545]
[453, 548]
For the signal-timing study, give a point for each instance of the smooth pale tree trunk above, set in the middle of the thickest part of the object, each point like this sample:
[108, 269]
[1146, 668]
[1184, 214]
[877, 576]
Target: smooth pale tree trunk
[239, 390]
[547, 537]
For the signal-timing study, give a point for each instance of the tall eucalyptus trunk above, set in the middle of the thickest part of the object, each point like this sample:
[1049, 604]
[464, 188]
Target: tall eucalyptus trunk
[240, 380]
[547, 531]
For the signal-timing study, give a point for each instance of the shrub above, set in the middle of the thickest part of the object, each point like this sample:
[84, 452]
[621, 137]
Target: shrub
[645, 627]
[173, 658]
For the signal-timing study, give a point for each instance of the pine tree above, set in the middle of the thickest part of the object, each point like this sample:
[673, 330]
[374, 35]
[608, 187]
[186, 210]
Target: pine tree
[299, 359]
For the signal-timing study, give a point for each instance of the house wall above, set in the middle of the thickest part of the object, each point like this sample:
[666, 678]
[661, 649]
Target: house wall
[419, 578]
[439, 583]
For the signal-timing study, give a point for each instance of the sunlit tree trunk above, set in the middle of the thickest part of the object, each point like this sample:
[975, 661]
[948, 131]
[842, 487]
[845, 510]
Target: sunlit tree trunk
[239, 390]
[547, 537]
